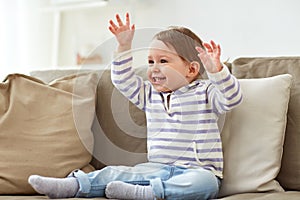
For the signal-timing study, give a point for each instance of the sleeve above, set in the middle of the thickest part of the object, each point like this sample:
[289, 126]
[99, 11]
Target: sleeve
[126, 81]
[224, 92]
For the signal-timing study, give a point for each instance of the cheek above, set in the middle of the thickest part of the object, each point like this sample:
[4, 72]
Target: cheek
[148, 74]
[173, 73]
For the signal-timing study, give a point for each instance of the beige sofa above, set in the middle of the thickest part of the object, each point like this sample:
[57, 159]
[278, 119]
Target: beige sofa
[261, 138]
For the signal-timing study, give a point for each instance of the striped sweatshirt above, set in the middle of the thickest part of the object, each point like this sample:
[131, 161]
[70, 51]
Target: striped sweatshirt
[182, 127]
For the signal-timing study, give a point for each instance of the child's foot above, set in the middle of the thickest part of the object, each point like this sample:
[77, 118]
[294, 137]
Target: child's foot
[121, 190]
[54, 187]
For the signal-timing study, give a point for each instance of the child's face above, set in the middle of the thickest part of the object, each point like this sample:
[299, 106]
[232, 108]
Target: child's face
[167, 71]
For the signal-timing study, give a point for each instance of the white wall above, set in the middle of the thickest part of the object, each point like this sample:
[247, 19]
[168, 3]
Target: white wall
[25, 36]
[243, 28]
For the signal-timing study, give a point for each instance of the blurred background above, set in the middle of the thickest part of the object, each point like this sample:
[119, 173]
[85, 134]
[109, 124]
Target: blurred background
[43, 34]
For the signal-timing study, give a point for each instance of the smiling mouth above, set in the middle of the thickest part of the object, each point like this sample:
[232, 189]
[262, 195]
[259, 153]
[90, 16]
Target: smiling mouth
[158, 79]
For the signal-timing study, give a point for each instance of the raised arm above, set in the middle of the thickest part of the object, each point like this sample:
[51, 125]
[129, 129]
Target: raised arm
[224, 91]
[122, 74]
[123, 32]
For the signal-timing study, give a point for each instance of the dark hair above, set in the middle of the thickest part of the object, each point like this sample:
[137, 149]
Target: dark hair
[184, 41]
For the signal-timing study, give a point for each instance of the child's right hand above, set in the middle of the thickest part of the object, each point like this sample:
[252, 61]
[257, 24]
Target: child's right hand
[124, 32]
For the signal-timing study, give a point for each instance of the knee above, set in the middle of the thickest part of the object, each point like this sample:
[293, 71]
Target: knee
[193, 184]
[204, 177]
[206, 184]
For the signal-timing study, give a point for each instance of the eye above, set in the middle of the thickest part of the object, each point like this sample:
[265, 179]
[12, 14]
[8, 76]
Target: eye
[150, 62]
[163, 61]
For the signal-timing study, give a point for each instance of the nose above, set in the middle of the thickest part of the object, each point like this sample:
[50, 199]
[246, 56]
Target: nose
[154, 68]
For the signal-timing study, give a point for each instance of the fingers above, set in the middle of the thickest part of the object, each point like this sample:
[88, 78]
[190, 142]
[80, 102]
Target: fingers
[213, 44]
[208, 47]
[203, 55]
[212, 47]
[119, 20]
[112, 30]
[127, 19]
[114, 27]
[133, 27]
[219, 50]
[216, 48]
[200, 49]
[210, 56]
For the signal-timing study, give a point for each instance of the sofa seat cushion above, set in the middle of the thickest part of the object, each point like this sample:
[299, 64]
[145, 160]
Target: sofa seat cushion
[289, 175]
[246, 196]
[39, 197]
[264, 196]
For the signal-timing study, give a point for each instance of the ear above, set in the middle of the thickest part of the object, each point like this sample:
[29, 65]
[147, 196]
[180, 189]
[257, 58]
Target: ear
[194, 68]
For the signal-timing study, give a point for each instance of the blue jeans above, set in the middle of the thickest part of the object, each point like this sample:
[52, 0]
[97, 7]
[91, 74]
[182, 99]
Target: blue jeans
[167, 182]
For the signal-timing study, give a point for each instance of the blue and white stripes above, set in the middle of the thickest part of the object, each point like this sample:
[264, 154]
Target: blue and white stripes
[183, 132]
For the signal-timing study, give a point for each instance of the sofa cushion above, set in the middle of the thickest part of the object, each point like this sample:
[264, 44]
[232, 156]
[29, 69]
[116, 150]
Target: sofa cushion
[120, 127]
[253, 136]
[265, 196]
[44, 129]
[36, 197]
[289, 175]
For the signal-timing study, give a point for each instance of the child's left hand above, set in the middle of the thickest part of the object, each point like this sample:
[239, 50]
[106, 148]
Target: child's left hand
[211, 57]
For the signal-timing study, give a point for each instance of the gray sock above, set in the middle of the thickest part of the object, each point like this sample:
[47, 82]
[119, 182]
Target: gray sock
[54, 187]
[121, 190]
